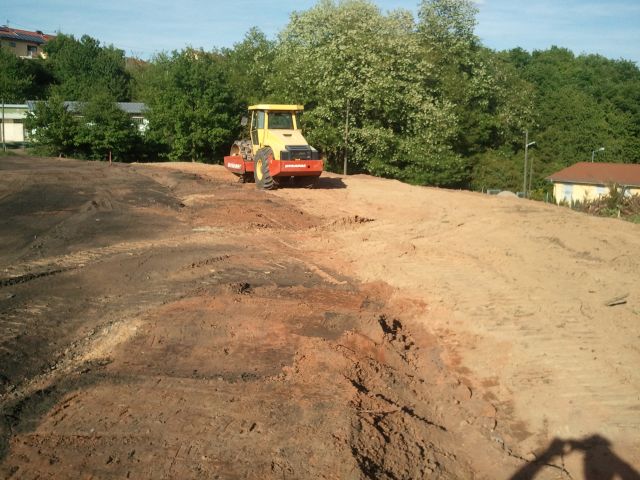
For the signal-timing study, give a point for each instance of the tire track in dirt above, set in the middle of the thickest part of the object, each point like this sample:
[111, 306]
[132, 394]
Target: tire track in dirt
[517, 294]
[253, 368]
[229, 344]
[53, 265]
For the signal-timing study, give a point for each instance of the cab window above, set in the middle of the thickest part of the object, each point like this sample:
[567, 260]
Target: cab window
[281, 121]
[260, 122]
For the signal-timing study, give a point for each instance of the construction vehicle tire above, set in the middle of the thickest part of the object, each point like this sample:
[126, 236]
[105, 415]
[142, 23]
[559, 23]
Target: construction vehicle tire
[262, 175]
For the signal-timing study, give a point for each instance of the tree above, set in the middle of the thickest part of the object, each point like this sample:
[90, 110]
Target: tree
[581, 103]
[250, 64]
[493, 105]
[446, 27]
[138, 70]
[40, 79]
[348, 56]
[423, 98]
[15, 79]
[105, 130]
[97, 129]
[82, 67]
[53, 127]
[191, 107]
[14, 83]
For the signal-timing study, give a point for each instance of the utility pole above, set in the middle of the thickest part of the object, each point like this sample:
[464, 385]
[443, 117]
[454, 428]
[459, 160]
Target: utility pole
[527, 144]
[524, 182]
[4, 143]
[346, 139]
[530, 174]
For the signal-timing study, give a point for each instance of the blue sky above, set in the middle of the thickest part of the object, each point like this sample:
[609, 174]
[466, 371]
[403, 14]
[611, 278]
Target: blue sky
[144, 27]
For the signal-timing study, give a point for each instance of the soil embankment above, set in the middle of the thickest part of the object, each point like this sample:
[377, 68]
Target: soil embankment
[163, 321]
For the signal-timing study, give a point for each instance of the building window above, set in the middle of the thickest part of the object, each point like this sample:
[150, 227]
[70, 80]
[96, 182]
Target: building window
[31, 50]
[141, 123]
[567, 193]
[600, 191]
[12, 44]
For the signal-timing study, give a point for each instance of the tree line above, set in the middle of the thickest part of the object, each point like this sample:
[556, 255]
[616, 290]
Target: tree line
[412, 97]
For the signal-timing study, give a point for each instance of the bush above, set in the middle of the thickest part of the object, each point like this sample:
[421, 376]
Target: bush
[617, 203]
[105, 130]
[54, 128]
[98, 129]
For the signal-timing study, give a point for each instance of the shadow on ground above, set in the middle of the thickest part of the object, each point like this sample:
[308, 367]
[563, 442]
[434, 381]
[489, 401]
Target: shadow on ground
[24, 414]
[327, 183]
[600, 462]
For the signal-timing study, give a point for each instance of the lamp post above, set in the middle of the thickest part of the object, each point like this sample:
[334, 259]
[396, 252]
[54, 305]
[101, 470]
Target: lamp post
[4, 141]
[530, 169]
[527, 144]
[346, 139]
[593, 153]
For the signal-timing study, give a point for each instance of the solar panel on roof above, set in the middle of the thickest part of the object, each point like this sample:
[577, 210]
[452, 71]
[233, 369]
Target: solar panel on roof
[25, 37]
[30, 38]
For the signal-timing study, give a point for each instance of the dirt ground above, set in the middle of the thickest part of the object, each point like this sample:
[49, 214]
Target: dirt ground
[165, 321]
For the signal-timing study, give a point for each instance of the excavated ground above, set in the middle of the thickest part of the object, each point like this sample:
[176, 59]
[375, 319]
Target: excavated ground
[167, 322]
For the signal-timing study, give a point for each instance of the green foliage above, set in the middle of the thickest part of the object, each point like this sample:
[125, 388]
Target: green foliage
[41, 79]
[499, 169]
[99, 127]
[105, 128]
[53, 127]
[491, 103]
[83, 67]
[249, 65]
[138, 71]
[349, 60]
[581, 104]
[15, 79]
[422, 98]
[413, 98]
[448, 24]
[190, 103]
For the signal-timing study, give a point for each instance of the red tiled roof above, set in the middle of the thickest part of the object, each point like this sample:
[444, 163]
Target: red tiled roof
[627, 174]
[24, 35]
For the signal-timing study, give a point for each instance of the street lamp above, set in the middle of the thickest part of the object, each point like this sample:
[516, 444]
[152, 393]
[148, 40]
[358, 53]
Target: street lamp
[531, 144]
[527, 144]
[4, 140]
[593, 153]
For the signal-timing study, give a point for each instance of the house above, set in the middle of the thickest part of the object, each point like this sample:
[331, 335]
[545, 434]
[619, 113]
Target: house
[13, 116]
[12, 122]
[23, 43]
[135, 110]
[588, 181]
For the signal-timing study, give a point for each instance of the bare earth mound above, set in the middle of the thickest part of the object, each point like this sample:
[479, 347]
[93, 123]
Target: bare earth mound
[163, 321]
